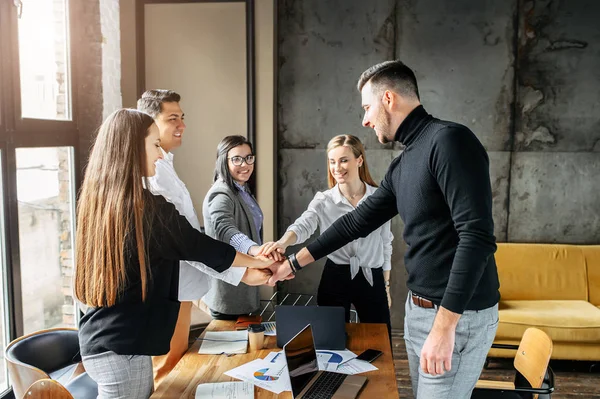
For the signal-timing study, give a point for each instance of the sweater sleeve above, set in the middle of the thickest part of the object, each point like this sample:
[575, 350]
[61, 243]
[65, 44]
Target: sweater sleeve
[176, 239]
[367, 217]
[460, 165]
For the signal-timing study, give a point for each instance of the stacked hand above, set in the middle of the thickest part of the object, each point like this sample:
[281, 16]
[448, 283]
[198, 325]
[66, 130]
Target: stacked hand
[267, 270]
[281, 270]
[272, 248]
[267, 250]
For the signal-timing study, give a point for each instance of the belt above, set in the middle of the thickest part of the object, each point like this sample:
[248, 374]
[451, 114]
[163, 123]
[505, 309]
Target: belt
[422, 302]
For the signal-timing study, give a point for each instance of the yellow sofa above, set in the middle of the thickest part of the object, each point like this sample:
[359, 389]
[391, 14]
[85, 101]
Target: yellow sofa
[555, 288]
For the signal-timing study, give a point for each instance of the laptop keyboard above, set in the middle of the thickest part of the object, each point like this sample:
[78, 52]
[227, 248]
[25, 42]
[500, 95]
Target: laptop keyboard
[325, 386]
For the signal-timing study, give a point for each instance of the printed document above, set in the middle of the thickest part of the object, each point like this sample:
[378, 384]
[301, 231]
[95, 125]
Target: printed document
[219, 342]
[225, 390]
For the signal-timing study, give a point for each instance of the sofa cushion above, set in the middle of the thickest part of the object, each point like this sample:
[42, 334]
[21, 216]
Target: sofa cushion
[563, 321]
[592, 262]
[541, 272]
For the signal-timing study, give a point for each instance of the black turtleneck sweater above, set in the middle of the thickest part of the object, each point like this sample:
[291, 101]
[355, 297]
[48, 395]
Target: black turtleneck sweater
[440, 186]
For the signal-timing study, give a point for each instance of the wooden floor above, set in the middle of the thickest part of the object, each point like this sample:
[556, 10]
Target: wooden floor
[574, 380]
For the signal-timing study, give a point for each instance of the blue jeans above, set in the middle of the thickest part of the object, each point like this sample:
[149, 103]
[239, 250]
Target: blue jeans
[475, 333]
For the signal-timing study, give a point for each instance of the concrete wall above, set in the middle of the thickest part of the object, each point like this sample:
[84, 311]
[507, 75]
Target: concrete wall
[523, 75]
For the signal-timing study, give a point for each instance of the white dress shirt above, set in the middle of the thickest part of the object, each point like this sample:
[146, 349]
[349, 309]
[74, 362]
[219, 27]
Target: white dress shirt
[194, 280]
[367, 253]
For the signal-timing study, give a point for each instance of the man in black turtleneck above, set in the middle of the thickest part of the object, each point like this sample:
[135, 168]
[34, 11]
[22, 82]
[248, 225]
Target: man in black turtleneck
[440, 186]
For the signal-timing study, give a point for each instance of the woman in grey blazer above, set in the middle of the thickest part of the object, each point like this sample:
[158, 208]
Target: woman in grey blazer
[232, 215]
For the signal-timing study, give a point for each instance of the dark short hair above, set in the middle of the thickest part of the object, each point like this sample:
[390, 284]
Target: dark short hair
[393, 75]
[222, 163]
[152, 100]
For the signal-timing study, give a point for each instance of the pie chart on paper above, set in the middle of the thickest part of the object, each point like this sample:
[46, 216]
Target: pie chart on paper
[260, 375]
[335, 358]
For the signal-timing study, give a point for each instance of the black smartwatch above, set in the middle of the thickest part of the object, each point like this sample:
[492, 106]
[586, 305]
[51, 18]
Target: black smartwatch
[291, 266]
[294, 262]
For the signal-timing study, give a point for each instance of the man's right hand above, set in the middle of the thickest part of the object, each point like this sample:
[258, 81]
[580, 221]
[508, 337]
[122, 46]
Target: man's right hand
[257, 277]
[281, 271]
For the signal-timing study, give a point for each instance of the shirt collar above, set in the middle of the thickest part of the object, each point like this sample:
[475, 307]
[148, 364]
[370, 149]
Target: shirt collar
[167, 155]
[240, 187]
[337, 197]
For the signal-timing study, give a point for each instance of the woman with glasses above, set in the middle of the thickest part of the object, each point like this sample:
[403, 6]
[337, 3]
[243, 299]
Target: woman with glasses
[232, 215]
[359, 273]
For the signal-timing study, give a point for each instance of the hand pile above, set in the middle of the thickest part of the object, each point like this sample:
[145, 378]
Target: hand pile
[273, 265]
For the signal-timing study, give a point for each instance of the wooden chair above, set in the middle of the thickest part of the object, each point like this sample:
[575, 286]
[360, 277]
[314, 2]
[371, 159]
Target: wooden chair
[47, 354]
[533, 378]
[47, 388]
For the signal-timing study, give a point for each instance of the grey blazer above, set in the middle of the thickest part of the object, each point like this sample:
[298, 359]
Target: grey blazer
[226, 214]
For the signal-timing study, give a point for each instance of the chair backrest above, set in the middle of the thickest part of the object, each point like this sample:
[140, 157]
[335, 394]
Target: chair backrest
[47, 389]
[533, 356]
[32, 357]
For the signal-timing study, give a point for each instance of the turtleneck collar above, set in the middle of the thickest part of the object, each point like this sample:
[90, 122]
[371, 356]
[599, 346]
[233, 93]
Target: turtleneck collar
[410, 127]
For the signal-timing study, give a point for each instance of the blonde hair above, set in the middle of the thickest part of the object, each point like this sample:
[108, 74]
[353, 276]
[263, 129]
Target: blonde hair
[111, 207]
[357, 148]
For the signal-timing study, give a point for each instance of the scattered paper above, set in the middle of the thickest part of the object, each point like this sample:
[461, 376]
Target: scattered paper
[255, 372]
[271, 373]
[355, 366]
[218, 342]
[275, 357]
[336, 357]
[277, 364]
[269, 328]
[226, 390]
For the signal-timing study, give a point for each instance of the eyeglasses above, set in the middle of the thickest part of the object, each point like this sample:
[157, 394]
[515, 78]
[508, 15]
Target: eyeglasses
[238, 161]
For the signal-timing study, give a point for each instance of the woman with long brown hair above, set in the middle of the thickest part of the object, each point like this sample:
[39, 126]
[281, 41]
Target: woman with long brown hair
[357, 274]
[129, 243]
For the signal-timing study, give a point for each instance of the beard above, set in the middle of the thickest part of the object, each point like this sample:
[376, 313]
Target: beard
[383, 123]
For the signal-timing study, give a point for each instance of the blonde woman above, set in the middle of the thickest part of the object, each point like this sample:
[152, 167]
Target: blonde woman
[359, 273]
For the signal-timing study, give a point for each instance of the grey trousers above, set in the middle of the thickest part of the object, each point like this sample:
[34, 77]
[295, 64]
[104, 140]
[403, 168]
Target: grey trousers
[475, 333]
[120, 376]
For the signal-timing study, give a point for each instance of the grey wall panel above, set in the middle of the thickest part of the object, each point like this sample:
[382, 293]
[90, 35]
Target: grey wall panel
[323, 48]
[499, 175]
[462, 53]
[554, 197]
[558, 74]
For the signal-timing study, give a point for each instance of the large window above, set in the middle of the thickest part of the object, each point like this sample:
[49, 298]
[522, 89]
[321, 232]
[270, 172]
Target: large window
[38, 157]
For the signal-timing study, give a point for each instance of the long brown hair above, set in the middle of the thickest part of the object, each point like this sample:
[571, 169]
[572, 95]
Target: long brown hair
[111, 203]
[358, 149]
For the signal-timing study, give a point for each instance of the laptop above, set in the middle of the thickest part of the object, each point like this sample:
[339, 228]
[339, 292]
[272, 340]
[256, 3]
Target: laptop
[306, 379]
[328, 324]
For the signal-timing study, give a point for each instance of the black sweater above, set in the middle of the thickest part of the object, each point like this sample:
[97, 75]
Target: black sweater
[133, 327]
[440, 186]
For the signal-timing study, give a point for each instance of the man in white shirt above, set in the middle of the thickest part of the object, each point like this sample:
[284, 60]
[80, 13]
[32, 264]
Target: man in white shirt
[194, 277]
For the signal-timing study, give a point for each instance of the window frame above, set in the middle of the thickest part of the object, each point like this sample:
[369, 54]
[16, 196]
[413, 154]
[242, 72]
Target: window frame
[17, 132]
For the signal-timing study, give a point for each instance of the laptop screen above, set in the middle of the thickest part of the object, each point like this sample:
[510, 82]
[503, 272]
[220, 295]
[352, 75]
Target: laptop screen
[301, 359]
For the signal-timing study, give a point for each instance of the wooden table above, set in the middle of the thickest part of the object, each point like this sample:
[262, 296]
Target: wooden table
[194, 369]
